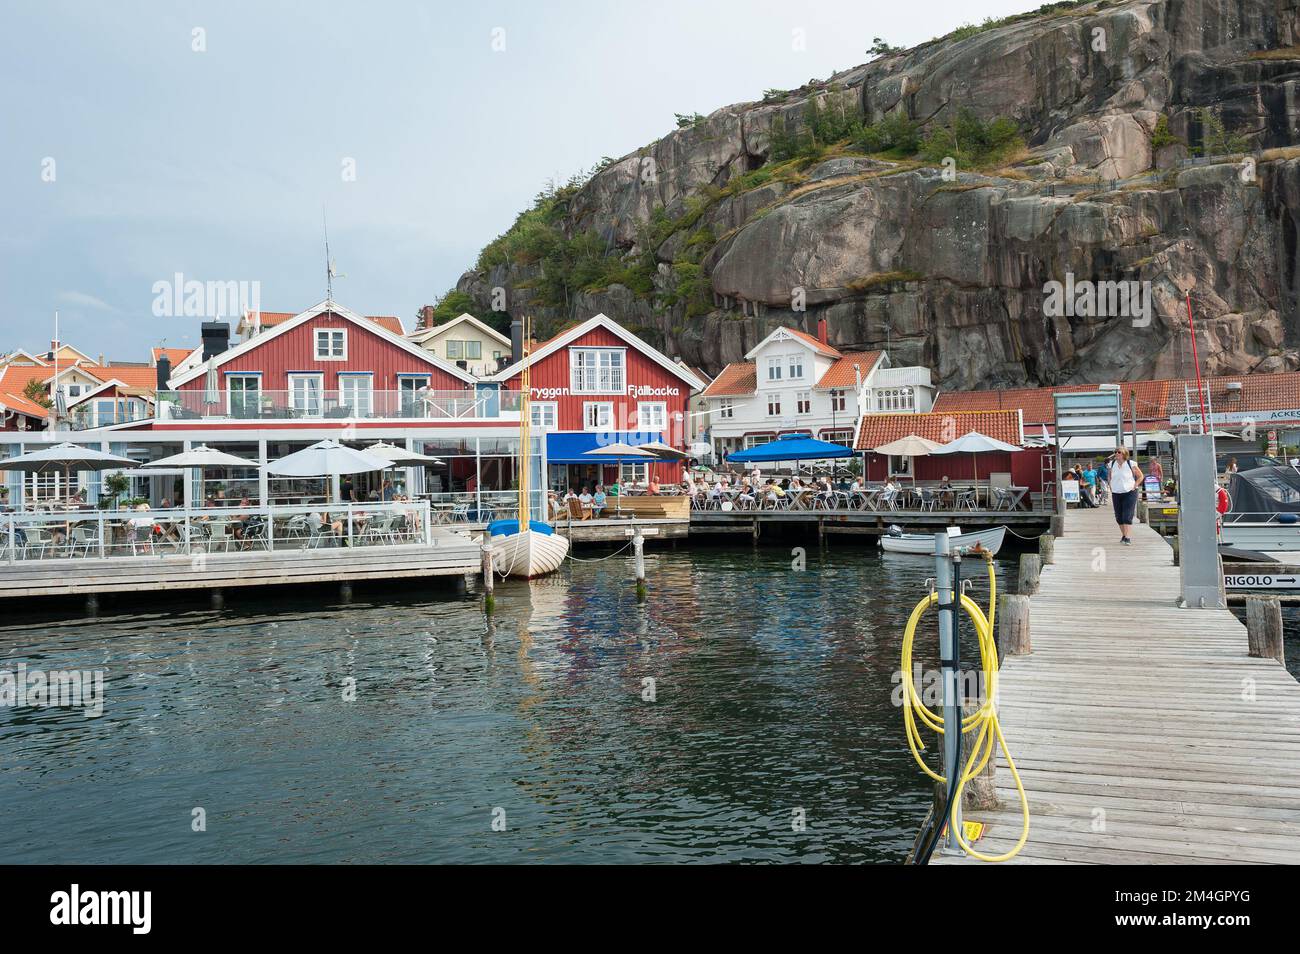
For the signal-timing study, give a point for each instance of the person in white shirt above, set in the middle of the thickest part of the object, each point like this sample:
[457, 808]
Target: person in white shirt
[1124, 477]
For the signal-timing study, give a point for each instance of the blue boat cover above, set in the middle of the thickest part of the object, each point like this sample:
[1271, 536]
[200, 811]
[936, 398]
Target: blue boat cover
[503, 528]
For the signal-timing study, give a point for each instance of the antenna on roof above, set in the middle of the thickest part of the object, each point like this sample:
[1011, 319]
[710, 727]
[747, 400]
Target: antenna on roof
[331, 270]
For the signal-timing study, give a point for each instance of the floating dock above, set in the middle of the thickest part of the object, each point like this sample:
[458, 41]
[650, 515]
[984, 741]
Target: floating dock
[1144, 733]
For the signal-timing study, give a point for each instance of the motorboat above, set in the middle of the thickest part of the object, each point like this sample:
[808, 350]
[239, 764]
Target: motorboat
[1264, 511]
[922, 544]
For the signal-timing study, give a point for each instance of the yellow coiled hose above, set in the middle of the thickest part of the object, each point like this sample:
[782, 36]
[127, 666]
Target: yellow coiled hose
[983, 722]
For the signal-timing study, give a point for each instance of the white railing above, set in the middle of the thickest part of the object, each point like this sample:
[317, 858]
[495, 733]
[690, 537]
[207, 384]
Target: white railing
[101, 534]
[336, 404]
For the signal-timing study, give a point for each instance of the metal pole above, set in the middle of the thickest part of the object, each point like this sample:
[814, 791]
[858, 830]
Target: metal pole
[952, 703]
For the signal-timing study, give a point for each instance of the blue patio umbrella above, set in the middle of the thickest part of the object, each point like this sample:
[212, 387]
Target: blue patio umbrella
[791, 447]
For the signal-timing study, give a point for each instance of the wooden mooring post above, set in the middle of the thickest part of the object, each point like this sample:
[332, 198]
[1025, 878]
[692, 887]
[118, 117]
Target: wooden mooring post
[1030, 567]
[1013, 625]
[638, 535]
[1264, 628]
[1047, 549]
[489, 581]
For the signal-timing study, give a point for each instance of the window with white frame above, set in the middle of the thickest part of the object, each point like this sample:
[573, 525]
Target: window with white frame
[754, 440]
[774, 405]
[839, 402]
[629, 473]
[842, 435]
[464, 350]
[900, 466]
[726, 409]
[331, 344]
[652, 416]
[598, 416]
[305, 394]
[803, 402]
[356, 393]
[774, 368]
[896, 399]
[543, 414]
[244, 394]
[596, 370]
[796, 366]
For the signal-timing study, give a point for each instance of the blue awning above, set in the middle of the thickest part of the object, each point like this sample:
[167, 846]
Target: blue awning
[791, 447]
[567, 447]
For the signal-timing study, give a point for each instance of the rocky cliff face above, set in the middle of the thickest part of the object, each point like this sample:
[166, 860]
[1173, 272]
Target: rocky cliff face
[948, 266]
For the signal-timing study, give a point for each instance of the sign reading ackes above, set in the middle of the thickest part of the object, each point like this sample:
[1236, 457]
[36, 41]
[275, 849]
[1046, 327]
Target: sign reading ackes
[1237, 417]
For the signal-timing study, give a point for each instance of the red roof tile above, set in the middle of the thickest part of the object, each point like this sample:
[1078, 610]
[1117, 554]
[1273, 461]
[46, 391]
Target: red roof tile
[131, 375]
[813, 340]
[1156, 400]
[738, 378]
[269, 319]
[174, 355]
[842, 374]
[878, 429]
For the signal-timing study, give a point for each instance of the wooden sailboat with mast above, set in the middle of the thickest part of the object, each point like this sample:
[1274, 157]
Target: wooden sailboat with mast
[526, 547]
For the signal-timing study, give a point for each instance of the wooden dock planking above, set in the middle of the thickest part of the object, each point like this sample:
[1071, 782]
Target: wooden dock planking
[1134, 711]
[446, 557]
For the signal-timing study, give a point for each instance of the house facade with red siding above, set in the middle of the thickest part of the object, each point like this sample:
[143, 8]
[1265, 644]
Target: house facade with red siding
[325, 362]
[598, 383]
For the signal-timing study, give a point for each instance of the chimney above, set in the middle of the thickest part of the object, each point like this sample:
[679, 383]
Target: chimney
[517, 339]
[821, 331]
[164, 372]
[216, 338]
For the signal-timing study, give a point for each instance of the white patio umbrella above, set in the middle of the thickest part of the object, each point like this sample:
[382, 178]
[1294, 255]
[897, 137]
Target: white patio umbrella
[909, 446]
[66, 457]
[664, 451]
[327, 458]
[400, 456]
[618, 452]
[973, 442]
[201, 456]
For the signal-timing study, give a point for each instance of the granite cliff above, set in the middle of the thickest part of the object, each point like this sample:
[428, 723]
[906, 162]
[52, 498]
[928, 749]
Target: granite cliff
[1147, 141]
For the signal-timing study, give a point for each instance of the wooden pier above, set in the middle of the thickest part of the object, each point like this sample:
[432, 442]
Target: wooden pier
[1144, 733]
[449, 555]
[873, 523]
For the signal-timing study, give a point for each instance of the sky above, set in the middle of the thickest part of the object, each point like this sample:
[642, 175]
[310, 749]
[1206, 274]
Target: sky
[144, 140]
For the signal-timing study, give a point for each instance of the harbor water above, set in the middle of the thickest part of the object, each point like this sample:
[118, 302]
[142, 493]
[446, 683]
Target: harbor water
[743, 714]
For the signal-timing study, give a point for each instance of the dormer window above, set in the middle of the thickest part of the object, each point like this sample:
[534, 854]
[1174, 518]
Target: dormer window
[331, 344]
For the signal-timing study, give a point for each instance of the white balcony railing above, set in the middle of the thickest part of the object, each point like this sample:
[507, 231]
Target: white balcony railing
[337, 405]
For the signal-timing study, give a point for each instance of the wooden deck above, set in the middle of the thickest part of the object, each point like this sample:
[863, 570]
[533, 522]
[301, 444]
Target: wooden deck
[865, 522]
[1130, 722]
[449, 555]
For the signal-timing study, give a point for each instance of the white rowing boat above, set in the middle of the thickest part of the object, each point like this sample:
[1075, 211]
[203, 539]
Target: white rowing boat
[922, 544]
[528, 553]
[523, 547]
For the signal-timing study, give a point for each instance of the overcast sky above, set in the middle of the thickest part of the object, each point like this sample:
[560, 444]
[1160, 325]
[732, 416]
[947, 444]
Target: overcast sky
[127, 156]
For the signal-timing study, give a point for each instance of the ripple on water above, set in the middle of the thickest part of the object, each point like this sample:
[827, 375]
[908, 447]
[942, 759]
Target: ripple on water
[772, 692]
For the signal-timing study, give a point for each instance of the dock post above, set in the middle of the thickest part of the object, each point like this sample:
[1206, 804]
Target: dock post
[345, 592]
[1013, 625]
[1047, 549]
[952, 699]
[218, 599]
[489, 579]
[638, 562]
[1175, 544]
[92, 604]
[1030, 565]
[1264, 628]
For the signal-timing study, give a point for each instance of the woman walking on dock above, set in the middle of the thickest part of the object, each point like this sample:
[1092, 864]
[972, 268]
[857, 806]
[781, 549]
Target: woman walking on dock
[1124, 477]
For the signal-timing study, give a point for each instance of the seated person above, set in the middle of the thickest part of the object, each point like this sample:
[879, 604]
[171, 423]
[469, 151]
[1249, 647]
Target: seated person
[586, 500]
[653, 486]
[598, 501]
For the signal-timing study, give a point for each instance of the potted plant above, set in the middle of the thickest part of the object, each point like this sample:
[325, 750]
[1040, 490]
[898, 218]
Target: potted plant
[115, 485]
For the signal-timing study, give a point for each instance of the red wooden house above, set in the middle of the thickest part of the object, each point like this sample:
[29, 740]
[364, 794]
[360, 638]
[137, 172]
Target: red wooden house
[325, 362]
[597, 384]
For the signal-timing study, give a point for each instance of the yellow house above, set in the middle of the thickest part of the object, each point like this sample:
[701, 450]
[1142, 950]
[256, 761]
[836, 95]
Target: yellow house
[467, 343]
